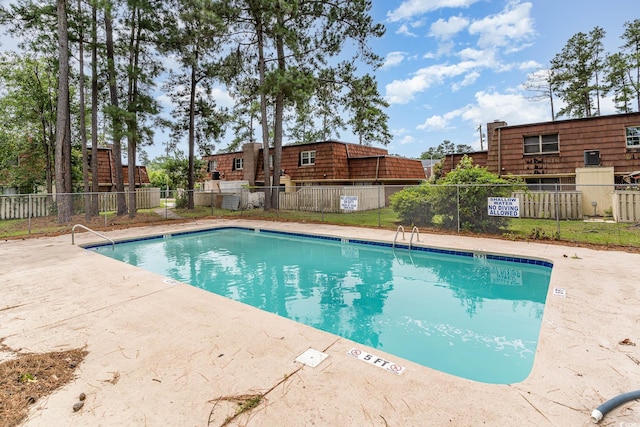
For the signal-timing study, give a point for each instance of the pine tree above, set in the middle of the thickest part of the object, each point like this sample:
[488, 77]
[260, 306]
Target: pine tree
[285, 47]
[195, 39]
[575, 74]
[631, 49]
[63, 122]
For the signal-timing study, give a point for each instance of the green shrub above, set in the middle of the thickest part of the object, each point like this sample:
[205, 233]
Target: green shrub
[182, 201]
[462, 195]
[413, 205]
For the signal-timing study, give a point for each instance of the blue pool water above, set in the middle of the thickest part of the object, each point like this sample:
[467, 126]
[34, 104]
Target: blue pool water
[474, 316]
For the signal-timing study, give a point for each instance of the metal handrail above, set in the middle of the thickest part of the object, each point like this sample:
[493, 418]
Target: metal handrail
[73, 240]
[417, 231]
[397, 231]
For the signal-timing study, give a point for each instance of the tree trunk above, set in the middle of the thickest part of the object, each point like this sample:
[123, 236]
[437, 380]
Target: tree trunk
[263, 113]
[279, 113]
[132, 120]
[117, 122]
[63, 142]
[95, 206]
[83, 124]
[192, 114]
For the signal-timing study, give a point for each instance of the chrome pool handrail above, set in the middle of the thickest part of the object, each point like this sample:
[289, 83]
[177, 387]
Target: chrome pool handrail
[417, 231]
[397, 231]
[73, 240]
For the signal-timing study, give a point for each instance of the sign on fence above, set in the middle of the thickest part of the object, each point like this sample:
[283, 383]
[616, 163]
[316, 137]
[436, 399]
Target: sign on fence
[349, 203]
[504, 206]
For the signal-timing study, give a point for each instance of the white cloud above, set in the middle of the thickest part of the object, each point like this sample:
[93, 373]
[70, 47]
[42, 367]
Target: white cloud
[222, 97]
[412, 8]
[393, 59]
[512, 24]
[434, 123]
[445, 48]
[404, 29]
[470, 54]
[407, 139]
[468, 80]
[399, 132]
[403, 91]
[445, 30]
[165, 102]
[529, 65]
[514, 108]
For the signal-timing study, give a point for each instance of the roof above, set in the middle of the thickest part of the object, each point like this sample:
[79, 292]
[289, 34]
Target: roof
[637, 114]
[106, 170]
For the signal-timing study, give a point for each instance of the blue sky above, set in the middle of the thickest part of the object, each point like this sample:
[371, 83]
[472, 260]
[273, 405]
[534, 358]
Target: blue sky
[452, 65]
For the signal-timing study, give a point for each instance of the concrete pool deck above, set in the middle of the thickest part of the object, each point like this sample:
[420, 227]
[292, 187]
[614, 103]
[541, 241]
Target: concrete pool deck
[161, 352]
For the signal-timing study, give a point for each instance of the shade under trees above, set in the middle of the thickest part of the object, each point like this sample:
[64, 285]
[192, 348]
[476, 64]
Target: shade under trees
[285, 64]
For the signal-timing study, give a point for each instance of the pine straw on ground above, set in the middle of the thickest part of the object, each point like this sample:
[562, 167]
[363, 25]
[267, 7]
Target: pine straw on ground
[29, 377]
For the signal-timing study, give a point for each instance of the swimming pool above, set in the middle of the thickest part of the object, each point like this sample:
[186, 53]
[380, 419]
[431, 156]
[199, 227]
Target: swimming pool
[473, 315]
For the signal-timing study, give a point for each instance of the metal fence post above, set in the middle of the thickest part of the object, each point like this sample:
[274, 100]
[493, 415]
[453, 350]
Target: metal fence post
[379, 208]
[322, 202]
[29, 213]
[557, 212]
[458, 205]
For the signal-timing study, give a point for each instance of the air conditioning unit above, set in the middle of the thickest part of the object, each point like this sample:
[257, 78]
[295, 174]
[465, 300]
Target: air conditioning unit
[592, 158]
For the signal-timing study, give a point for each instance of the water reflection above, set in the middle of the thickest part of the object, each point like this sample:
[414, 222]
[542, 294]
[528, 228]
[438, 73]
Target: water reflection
[435, 309]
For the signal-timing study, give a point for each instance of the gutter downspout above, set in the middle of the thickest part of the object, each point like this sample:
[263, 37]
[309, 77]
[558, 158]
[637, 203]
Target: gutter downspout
[499, 152]
[377, 168]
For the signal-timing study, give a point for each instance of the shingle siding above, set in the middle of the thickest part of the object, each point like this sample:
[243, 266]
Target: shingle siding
[334, 162]
[605, 134]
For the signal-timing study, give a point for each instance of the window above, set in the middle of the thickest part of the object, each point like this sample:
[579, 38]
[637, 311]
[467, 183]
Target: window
[212, 166]
[237, 164]
[541, 144]
[270, 161]
[542, 184]
[307, 158]
[633, 137]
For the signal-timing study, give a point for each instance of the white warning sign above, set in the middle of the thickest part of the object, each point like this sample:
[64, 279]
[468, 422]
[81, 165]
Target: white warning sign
[349, 203]
[504, 206]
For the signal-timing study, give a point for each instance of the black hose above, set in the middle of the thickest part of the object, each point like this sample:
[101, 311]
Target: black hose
[602, 410]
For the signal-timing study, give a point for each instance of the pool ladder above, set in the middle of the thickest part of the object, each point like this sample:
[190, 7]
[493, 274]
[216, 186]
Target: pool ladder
[73, 240]
[400, 228]
[415, 230]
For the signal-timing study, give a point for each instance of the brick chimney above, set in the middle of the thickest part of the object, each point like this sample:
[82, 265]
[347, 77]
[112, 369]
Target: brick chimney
[491, 128]
[250, 155]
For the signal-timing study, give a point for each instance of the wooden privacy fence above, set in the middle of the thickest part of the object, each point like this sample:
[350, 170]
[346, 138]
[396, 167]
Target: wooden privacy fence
[38, 205]
[18, 207]
[626, 206]
[146, 198]
[327, 199]
[543, 204]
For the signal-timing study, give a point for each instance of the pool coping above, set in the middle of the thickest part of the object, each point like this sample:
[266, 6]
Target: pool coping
[420, 247]
[391, 249]
[139, 325]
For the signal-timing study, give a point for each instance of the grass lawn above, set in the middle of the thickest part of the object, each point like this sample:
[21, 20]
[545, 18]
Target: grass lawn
[590, 232]
[606, 234]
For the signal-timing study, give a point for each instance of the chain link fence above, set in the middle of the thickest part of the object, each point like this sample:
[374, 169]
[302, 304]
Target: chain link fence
[582, 214]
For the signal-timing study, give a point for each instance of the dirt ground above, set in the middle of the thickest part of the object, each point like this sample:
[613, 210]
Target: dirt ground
[27, 377]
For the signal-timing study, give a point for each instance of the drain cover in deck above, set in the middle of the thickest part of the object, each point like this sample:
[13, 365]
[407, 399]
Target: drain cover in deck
[312, 357]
